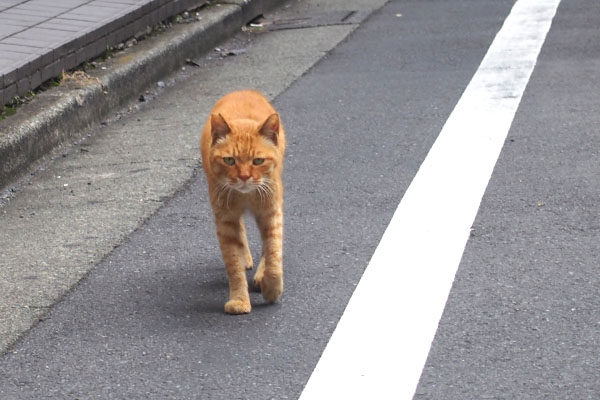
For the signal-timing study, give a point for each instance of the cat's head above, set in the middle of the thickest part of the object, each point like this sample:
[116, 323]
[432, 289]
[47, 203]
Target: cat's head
[244, 153]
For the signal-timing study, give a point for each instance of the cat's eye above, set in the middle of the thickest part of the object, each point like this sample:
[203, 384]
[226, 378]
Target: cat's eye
[258, 161]
[229, 160]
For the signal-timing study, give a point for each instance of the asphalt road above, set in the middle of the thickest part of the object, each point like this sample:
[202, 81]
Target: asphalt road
[522, 319]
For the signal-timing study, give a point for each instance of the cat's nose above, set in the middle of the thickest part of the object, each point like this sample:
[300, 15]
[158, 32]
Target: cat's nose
[244, 177]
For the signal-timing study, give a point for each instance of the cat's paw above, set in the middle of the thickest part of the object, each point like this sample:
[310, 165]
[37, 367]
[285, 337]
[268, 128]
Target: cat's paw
[271, 286]
[237, 307]
[258, 277]
[248, 261]
[257, 282]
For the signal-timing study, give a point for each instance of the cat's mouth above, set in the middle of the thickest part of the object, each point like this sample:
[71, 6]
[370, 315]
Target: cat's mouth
[262, 186]
[244, 187]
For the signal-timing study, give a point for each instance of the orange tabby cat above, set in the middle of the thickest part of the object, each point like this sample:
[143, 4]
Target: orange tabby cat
[242, 147]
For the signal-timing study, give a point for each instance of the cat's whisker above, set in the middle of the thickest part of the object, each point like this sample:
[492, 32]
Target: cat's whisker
[267, 189]
[269, 183]
[228, 195]
[259, 189]
[262, 194]
[221, 189]
[266, 194]
[218, 192]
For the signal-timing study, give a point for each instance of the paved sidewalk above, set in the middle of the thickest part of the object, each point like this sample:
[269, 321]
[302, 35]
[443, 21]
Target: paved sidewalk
[41, 38]
[38, 41]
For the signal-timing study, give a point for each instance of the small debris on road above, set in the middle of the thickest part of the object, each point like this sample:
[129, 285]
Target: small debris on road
[191, 62]
[233, 52]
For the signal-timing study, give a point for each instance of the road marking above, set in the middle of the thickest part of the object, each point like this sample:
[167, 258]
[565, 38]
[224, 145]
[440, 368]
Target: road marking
[381, 343]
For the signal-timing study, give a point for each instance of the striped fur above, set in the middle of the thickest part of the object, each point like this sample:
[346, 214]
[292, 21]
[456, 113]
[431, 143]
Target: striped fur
[242, 146]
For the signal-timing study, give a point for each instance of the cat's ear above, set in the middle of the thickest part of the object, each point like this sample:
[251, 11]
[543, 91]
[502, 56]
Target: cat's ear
[270, 128]
[218, 128]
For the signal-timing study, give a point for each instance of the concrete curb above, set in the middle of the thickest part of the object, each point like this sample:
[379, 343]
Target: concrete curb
[66, 112]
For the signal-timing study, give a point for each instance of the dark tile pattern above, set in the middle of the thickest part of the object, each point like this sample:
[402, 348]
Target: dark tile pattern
[39, 39]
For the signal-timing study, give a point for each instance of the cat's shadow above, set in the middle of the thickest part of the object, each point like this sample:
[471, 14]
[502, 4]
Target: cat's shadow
[195, 293]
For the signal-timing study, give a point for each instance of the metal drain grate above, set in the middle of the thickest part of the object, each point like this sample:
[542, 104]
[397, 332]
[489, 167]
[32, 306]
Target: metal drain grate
[311, 21]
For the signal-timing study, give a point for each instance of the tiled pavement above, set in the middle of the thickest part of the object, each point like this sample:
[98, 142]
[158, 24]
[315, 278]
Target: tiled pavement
[41, 38]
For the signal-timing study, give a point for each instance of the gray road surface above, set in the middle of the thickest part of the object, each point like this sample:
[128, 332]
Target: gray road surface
[522, 319]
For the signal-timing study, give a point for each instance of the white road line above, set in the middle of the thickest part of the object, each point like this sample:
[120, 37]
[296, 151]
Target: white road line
[381, 343]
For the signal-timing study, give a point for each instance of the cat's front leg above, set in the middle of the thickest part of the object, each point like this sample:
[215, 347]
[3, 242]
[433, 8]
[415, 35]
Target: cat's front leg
[269, 274]
[247, 255]
[234, 248]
